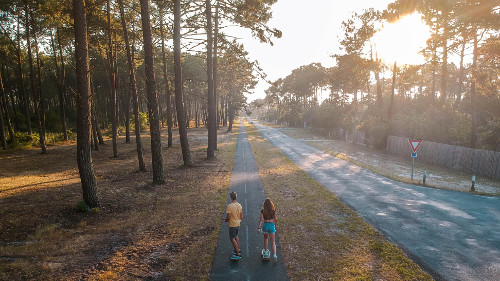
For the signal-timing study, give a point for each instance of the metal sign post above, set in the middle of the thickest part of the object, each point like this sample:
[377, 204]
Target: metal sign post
[414, 146]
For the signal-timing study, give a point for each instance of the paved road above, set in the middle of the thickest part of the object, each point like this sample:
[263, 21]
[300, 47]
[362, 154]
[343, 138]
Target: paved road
[453, 235]
[246, 182]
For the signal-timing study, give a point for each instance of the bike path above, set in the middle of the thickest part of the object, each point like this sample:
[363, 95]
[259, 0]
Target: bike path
[454, 235]
[246, 182]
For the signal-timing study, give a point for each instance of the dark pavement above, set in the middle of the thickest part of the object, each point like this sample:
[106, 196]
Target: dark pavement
[246, 182]
[453, 235]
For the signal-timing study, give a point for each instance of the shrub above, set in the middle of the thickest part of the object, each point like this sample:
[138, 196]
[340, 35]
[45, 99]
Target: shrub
[143, 117]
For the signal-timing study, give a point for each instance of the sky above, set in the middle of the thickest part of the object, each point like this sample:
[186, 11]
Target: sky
[311, 33]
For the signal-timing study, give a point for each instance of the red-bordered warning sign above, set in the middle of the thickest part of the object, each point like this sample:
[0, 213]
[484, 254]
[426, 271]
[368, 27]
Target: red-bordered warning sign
[415, 144]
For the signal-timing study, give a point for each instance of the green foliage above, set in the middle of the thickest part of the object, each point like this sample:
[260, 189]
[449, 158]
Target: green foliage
[53, 121]
[144, 121]
[490, 135]
[25, 141]
[19, 121]
[82, 207]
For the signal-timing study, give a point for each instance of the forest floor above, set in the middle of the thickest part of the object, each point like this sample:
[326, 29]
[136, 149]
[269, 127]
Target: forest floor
[140, 231]
[397, 167]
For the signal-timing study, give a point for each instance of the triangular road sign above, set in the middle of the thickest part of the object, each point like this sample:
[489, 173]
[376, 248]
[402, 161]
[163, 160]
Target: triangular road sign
[415, 144]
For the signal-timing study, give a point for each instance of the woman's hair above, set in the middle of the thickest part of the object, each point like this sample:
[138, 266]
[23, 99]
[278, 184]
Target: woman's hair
[268, 209]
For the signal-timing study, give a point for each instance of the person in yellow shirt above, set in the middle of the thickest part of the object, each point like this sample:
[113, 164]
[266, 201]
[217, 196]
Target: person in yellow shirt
[234, 216]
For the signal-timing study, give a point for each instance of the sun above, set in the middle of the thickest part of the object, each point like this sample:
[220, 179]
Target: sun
[402, 40]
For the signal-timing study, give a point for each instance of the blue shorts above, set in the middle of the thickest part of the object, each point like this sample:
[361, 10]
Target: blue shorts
[269, 228]
[233, 232]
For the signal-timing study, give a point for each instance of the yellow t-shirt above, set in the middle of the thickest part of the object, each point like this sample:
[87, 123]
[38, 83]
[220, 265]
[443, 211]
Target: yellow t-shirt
[234, 210]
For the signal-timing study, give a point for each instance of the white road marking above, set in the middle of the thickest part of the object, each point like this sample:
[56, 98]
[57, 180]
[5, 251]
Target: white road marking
[247, 240]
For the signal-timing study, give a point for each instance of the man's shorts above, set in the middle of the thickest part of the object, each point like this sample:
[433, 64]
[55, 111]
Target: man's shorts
[269, 227]
[233, 232]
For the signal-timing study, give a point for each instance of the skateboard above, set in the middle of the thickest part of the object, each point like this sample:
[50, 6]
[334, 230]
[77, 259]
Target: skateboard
[235, 258]
[264, 257]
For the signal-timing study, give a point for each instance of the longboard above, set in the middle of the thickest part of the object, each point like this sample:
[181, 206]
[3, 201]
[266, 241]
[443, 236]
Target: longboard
[233, 258]
[264, 258]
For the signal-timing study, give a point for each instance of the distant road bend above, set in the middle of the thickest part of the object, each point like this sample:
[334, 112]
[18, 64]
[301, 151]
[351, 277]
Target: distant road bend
[453, 235]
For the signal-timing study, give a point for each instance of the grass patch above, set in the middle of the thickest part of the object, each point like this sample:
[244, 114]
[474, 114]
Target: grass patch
[322, 238]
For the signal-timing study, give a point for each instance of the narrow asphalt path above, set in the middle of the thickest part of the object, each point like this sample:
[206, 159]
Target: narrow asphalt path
[246, 182]
[453, 235]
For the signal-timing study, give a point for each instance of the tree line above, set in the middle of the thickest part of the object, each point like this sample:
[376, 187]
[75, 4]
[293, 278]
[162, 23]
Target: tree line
[86, 68]
[445, 101]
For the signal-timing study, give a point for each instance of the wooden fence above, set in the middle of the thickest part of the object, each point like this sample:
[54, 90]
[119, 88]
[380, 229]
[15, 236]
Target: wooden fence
[480, 162]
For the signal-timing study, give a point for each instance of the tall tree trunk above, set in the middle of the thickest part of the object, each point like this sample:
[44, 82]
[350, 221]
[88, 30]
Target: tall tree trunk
[226, 108]
[215, 65]
[444, 66]
[2, 106]
[196, 116]
[95, 118]
[158, 175]
[212, 114]
[179, 104]
[377, 79]
[112, 82]
[473, 131]
[461, 73]
[128, 96]
[84, 156]
[40, 89]
[434, 64]
[94, 125]
[230, 111]
[5, 111]
[133, 90]
[186, 113]
[379, 89]
[36, 97]
[24, 96]
[165, 77]
[9, 102]
[62, 95]
[391, 102]
[60, 77]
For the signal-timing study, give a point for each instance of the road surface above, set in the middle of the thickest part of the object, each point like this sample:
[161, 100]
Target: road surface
[246, 182]
[453, 235]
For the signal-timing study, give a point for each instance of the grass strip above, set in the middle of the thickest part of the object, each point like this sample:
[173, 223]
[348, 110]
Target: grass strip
[322, 238]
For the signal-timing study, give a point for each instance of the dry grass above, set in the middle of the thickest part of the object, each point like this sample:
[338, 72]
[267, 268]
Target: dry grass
[321, 238]
[140, 231]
